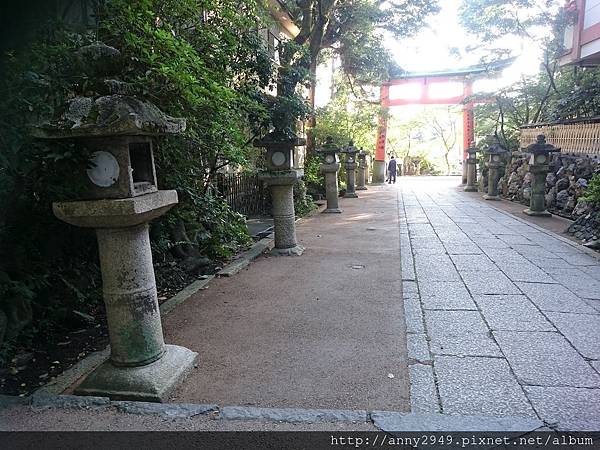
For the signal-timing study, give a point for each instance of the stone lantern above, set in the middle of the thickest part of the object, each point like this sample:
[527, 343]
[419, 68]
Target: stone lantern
[121, 198]
[362, 171]
[471, 168]
[350, 167]
[281, 176]
[539, 165]
[330, 167]
[495, 153]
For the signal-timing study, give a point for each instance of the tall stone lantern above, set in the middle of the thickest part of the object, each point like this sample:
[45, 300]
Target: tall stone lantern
[495, 153]
[330, 167]
[121, 198]
[362, 171]
[539, 165]
[281, 176]
[350, 167]
[471, 168]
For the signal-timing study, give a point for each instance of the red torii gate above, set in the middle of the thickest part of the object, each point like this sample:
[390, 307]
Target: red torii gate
[425, 81]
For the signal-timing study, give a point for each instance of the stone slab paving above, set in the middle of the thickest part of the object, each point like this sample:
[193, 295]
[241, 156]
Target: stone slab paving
[510, 313]
[480, 386]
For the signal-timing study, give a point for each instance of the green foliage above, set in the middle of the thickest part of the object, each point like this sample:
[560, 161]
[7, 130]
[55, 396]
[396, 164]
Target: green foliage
[496, 22]
[202, 60]
[554, 93]
[313, 178]
[217, 230]
[303, 203]
[207, 67]
[351, 30]
[44, 264]
[592, 192]
[427, 132]
[348, 116]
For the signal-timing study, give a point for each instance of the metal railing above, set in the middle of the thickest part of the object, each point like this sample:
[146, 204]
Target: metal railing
[245, 193]
[581, 136]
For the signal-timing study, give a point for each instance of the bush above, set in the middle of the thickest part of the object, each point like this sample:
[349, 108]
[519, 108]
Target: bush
[592, 192]
[303, 203]
[313, 178]
[213, 75]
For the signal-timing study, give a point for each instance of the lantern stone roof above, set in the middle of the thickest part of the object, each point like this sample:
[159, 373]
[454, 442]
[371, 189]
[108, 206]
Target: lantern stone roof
[109, 115]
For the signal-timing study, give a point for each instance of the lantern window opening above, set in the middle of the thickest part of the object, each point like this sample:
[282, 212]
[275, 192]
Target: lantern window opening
[142, 173]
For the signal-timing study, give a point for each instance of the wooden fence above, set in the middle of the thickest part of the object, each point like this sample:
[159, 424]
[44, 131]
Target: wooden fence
[245, 193]
[575, 137]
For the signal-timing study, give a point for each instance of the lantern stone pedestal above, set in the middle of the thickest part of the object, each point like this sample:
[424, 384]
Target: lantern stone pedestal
[350, 167]
[331, 187]
[492, 193]
[471, 170]
[141, 366]
[350, 180]
[330, 167]
[537, 202]
[494, 164]
[539, 168]
[281, 184]
[362, 171]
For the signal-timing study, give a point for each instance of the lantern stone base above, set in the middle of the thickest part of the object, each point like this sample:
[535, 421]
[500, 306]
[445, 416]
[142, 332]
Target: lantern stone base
[378, 172]
[281, 184]
[153, 382]
[332, 211]
[544, 213]
[331, 187]
[350, 195]
[361, 188]
[293, 251]
[491, 197]
[470, 188]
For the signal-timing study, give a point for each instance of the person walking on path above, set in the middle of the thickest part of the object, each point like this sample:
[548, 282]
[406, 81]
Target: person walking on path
[392, 168]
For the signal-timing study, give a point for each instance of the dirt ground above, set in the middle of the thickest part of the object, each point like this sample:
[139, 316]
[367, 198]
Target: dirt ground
[324, 330]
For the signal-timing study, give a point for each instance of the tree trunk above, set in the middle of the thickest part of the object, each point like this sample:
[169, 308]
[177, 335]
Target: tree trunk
[311, 122]
[447, 162]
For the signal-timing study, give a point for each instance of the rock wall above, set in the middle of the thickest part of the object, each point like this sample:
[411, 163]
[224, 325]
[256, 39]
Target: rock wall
[565, 185]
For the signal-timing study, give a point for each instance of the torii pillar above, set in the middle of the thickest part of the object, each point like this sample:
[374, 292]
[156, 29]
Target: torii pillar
[379, 162]
[468, 128]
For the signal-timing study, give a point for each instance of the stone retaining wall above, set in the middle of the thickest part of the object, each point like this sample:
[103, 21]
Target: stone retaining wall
[565, 185]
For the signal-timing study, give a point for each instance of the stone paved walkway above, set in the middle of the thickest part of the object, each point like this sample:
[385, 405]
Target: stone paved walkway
[503, 319]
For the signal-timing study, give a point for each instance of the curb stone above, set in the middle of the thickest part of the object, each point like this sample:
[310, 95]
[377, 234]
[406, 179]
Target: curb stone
[246, 257]
[74, 373]
[292, 415]
[388, 421]
[7, 401]
[43, 400]
[183, 295]
[393, 421]
[180, 410]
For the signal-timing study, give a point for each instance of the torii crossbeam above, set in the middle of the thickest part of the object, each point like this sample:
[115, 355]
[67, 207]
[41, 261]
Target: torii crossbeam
[425, 82]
